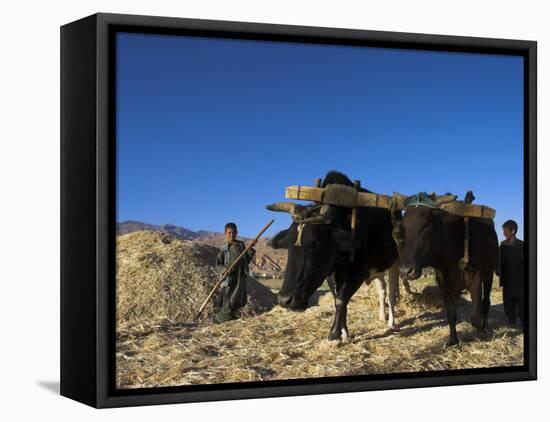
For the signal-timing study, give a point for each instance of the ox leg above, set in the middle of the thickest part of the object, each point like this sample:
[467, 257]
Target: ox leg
[380, 284]
[339, 329]
[486, 301]
[393, 289]
[407, 287]
[345, 290]
[475, 292]
[450, 305]
[332, 285]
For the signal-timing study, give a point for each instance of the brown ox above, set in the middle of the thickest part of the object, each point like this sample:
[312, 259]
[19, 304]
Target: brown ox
[435, 238]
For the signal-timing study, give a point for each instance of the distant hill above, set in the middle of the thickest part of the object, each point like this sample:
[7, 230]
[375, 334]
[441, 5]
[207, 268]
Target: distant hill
[267, 261]
[126, 227]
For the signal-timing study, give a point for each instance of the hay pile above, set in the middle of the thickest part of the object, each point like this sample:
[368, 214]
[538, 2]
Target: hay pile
[281, 344]
[162, 279]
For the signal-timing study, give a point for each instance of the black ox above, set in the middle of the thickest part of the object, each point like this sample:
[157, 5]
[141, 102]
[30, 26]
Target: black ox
[435, 238]
[320, 245]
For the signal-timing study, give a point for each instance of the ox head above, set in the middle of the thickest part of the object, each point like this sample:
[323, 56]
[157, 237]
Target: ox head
[420, 225]
[315, 244]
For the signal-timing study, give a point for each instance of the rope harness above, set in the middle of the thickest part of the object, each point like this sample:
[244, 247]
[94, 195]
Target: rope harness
[299, 236]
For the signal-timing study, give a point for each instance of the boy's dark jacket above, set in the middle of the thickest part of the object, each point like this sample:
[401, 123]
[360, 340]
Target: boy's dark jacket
[510, 264]
[236, 281]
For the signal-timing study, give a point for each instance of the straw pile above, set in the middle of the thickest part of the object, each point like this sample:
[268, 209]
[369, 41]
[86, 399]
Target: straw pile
[163, 279]
[282, 344]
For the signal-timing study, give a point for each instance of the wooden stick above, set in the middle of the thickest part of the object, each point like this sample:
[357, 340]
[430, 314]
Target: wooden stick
[357, 186]
[466, 240]
[317, 184]
[229, 269]
[467, 200]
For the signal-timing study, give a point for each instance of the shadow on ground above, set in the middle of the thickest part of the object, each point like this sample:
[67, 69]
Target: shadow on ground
[51, 386]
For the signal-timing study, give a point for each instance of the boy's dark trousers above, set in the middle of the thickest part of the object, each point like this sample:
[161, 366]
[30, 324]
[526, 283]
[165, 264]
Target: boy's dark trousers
[222, 309]
[512, 296]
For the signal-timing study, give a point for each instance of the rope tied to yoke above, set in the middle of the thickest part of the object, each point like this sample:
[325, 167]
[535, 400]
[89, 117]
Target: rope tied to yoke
[299, 235]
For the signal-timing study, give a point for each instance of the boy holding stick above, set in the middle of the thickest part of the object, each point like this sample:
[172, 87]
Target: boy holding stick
[232, 293]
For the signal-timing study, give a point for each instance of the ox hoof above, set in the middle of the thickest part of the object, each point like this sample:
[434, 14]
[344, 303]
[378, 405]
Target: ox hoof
[483, 334]
[326, 345]
[344, 335]
[451, 343]
[333, 336]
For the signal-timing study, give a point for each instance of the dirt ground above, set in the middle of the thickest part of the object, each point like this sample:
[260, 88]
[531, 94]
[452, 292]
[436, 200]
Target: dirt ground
[280, 344]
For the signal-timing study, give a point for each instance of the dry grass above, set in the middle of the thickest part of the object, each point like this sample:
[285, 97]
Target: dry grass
[281, 344]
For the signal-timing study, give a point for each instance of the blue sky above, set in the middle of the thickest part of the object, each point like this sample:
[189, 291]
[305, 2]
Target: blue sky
[212, 130]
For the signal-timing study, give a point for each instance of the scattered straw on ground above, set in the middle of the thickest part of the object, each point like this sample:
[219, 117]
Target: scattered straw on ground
[282, 344]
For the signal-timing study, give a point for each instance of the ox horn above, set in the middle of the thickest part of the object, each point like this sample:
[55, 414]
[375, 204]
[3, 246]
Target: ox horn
[324, 216]
[443, 199]
[285, 207]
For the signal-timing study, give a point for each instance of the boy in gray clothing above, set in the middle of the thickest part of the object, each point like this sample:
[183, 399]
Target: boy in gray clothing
[232, 293]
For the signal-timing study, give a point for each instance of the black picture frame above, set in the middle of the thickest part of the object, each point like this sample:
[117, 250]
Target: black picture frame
[88, 200]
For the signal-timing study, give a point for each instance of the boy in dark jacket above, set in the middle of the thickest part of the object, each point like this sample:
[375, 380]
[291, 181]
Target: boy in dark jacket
[232, 294]
[510, 272]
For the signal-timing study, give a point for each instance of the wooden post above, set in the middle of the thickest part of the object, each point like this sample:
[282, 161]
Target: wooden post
[317, 183]
[466, 240]
[465, 261]
[357, 186]
[468, 200]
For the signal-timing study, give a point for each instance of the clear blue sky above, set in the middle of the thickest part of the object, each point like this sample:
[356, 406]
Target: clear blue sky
[212, 130]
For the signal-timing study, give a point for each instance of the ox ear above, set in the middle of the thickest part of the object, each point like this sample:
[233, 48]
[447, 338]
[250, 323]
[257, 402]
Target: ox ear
[280, 240]
[344, 241]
